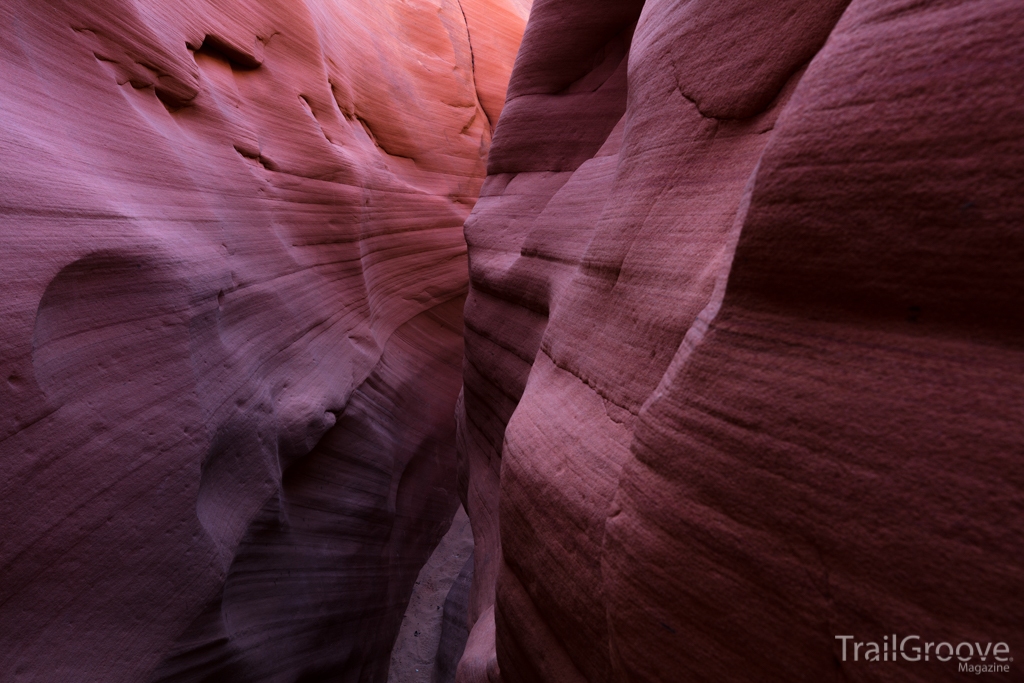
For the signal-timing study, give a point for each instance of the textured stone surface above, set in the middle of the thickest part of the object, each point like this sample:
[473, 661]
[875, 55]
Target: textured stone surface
[233, 270]
[744, 340]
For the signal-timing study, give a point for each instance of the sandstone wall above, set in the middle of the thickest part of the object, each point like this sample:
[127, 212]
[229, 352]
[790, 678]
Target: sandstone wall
[233, 273]
[744, 342]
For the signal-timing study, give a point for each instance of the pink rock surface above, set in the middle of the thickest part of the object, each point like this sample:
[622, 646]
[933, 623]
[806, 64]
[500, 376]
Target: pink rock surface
[234, 272]
[744, 341]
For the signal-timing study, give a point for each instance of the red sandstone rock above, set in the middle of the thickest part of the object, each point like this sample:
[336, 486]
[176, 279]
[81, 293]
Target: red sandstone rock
[233, 273]
[711, 465]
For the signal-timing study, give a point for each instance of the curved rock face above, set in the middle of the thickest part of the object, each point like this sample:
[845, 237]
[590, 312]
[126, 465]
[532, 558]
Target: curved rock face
[744, 340]
[234, 272]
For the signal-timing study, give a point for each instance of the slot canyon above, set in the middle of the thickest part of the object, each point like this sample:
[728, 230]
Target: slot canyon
[489, 341]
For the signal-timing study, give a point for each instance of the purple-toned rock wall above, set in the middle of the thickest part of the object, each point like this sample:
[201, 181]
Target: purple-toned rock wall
[233, 272]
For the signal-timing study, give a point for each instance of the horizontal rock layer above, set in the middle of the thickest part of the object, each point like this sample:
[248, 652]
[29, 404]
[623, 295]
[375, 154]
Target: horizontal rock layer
[743, 342]
[234, 272]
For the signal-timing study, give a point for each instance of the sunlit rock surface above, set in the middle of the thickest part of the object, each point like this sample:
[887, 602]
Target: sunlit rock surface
[744, 342]
[233, 273]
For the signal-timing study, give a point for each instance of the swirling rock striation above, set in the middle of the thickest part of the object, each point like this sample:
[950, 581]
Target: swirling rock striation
[744, 340]
[234, 272]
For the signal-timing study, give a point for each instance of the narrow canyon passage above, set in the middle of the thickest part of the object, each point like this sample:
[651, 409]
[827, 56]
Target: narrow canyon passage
[489, 341]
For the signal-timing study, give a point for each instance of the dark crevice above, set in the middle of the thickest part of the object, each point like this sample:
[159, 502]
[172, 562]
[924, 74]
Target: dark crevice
[222, 49]
[589, 383]
[533, 252]
[256, 158]
[472, 64]
[376, 140]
